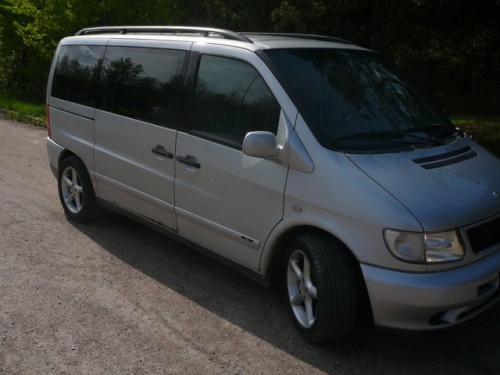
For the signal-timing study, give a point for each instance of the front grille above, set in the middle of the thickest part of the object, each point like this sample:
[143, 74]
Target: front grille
[485, 235]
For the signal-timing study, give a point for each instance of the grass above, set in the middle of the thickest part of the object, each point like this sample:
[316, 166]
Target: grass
[22, 110]
[484, 130]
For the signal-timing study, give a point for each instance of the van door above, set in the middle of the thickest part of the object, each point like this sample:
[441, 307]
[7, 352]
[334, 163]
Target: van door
[139, 109]
[225, 200]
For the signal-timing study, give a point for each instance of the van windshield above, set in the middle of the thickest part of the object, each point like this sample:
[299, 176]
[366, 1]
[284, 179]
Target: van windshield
[359, 101]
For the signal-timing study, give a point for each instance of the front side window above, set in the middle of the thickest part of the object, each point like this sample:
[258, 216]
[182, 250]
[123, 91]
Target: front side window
[143, 84]
[359, 101]
[76, 74]
[231, 99]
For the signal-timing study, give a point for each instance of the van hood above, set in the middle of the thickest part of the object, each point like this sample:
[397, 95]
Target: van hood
[444, 187]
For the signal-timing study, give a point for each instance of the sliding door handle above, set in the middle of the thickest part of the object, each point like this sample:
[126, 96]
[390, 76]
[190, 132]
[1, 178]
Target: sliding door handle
[161, 151]
[189, 160]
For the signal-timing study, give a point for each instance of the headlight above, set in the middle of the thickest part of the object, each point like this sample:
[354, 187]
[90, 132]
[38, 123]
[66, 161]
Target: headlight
[424, 247]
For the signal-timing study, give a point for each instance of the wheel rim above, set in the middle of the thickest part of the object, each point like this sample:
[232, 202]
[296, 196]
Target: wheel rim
[301, 289]
[72, 190]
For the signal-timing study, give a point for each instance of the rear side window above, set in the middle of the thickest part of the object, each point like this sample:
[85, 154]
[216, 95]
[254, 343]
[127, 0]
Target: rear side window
[231, 99]
[143, 84]
[76, 74]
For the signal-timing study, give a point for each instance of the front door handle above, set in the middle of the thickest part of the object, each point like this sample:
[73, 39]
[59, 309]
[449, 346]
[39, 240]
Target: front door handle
[161, 151]
[189, 160]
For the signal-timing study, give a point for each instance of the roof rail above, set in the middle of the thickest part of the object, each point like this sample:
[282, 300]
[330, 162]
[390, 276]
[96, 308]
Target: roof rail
[201, 31]
[303, 36]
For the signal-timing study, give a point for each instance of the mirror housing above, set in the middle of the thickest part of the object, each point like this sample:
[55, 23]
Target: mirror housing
[260, 144]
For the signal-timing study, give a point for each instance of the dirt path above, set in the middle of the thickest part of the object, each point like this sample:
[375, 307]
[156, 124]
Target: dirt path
[114, 297]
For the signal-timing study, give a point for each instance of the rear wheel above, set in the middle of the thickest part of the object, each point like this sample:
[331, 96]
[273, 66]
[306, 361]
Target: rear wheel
[321, 287]
[76, 191]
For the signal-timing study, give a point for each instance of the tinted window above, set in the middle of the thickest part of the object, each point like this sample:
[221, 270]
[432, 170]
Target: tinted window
[359, 101]
[231, 99]
[76, 74]
[143, 83]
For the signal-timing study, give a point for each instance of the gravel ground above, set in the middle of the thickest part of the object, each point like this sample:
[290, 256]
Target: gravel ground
[114, 297]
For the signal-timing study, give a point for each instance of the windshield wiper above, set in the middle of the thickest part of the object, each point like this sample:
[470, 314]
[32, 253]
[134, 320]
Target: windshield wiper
[376, 134]
[435, 142]
[436, 128]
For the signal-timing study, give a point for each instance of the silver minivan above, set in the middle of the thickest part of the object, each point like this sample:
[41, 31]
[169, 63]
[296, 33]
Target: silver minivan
[303, 157]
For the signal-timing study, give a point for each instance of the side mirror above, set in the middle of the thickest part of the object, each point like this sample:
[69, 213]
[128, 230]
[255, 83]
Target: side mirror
[260, 144]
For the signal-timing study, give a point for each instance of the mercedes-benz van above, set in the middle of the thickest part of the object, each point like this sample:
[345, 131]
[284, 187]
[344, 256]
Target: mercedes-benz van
[300, 156]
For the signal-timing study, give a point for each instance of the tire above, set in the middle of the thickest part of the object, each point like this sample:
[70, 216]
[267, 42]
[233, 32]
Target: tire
[76, 191]
[321, 287]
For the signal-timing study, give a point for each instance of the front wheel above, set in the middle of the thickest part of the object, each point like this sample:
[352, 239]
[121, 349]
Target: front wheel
[321, 287]
[76, 191]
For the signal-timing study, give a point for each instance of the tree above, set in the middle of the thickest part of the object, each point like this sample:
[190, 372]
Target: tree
[450, 45]
[31, 30]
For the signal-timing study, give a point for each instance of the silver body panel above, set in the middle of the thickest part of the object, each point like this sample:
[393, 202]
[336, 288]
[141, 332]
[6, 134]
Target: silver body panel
[128, 173]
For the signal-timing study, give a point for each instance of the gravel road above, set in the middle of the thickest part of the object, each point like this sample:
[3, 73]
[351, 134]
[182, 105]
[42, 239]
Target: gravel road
[114, 297]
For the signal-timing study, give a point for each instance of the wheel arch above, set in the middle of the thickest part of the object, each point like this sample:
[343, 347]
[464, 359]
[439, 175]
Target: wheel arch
[77, 192]
[274, 251]
[66, 154]
[275, 257]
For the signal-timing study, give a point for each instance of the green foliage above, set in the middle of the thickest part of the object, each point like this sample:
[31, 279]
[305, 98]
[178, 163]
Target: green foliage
[11, 103]
[302, 16]
[29, 35]
[451, 46]
[244, 15]
[21, 110]
[31, 29]
[485, 130]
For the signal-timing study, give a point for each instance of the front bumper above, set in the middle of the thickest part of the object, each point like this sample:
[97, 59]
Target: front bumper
[429, 301]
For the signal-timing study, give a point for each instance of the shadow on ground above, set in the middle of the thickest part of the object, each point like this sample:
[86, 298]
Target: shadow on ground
[473, 348]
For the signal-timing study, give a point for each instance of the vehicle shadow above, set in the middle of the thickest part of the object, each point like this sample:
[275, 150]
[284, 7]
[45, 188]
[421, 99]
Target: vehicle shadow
[472, 348]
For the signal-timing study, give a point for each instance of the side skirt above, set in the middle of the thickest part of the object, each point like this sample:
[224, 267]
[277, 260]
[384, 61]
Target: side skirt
[248, 272]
